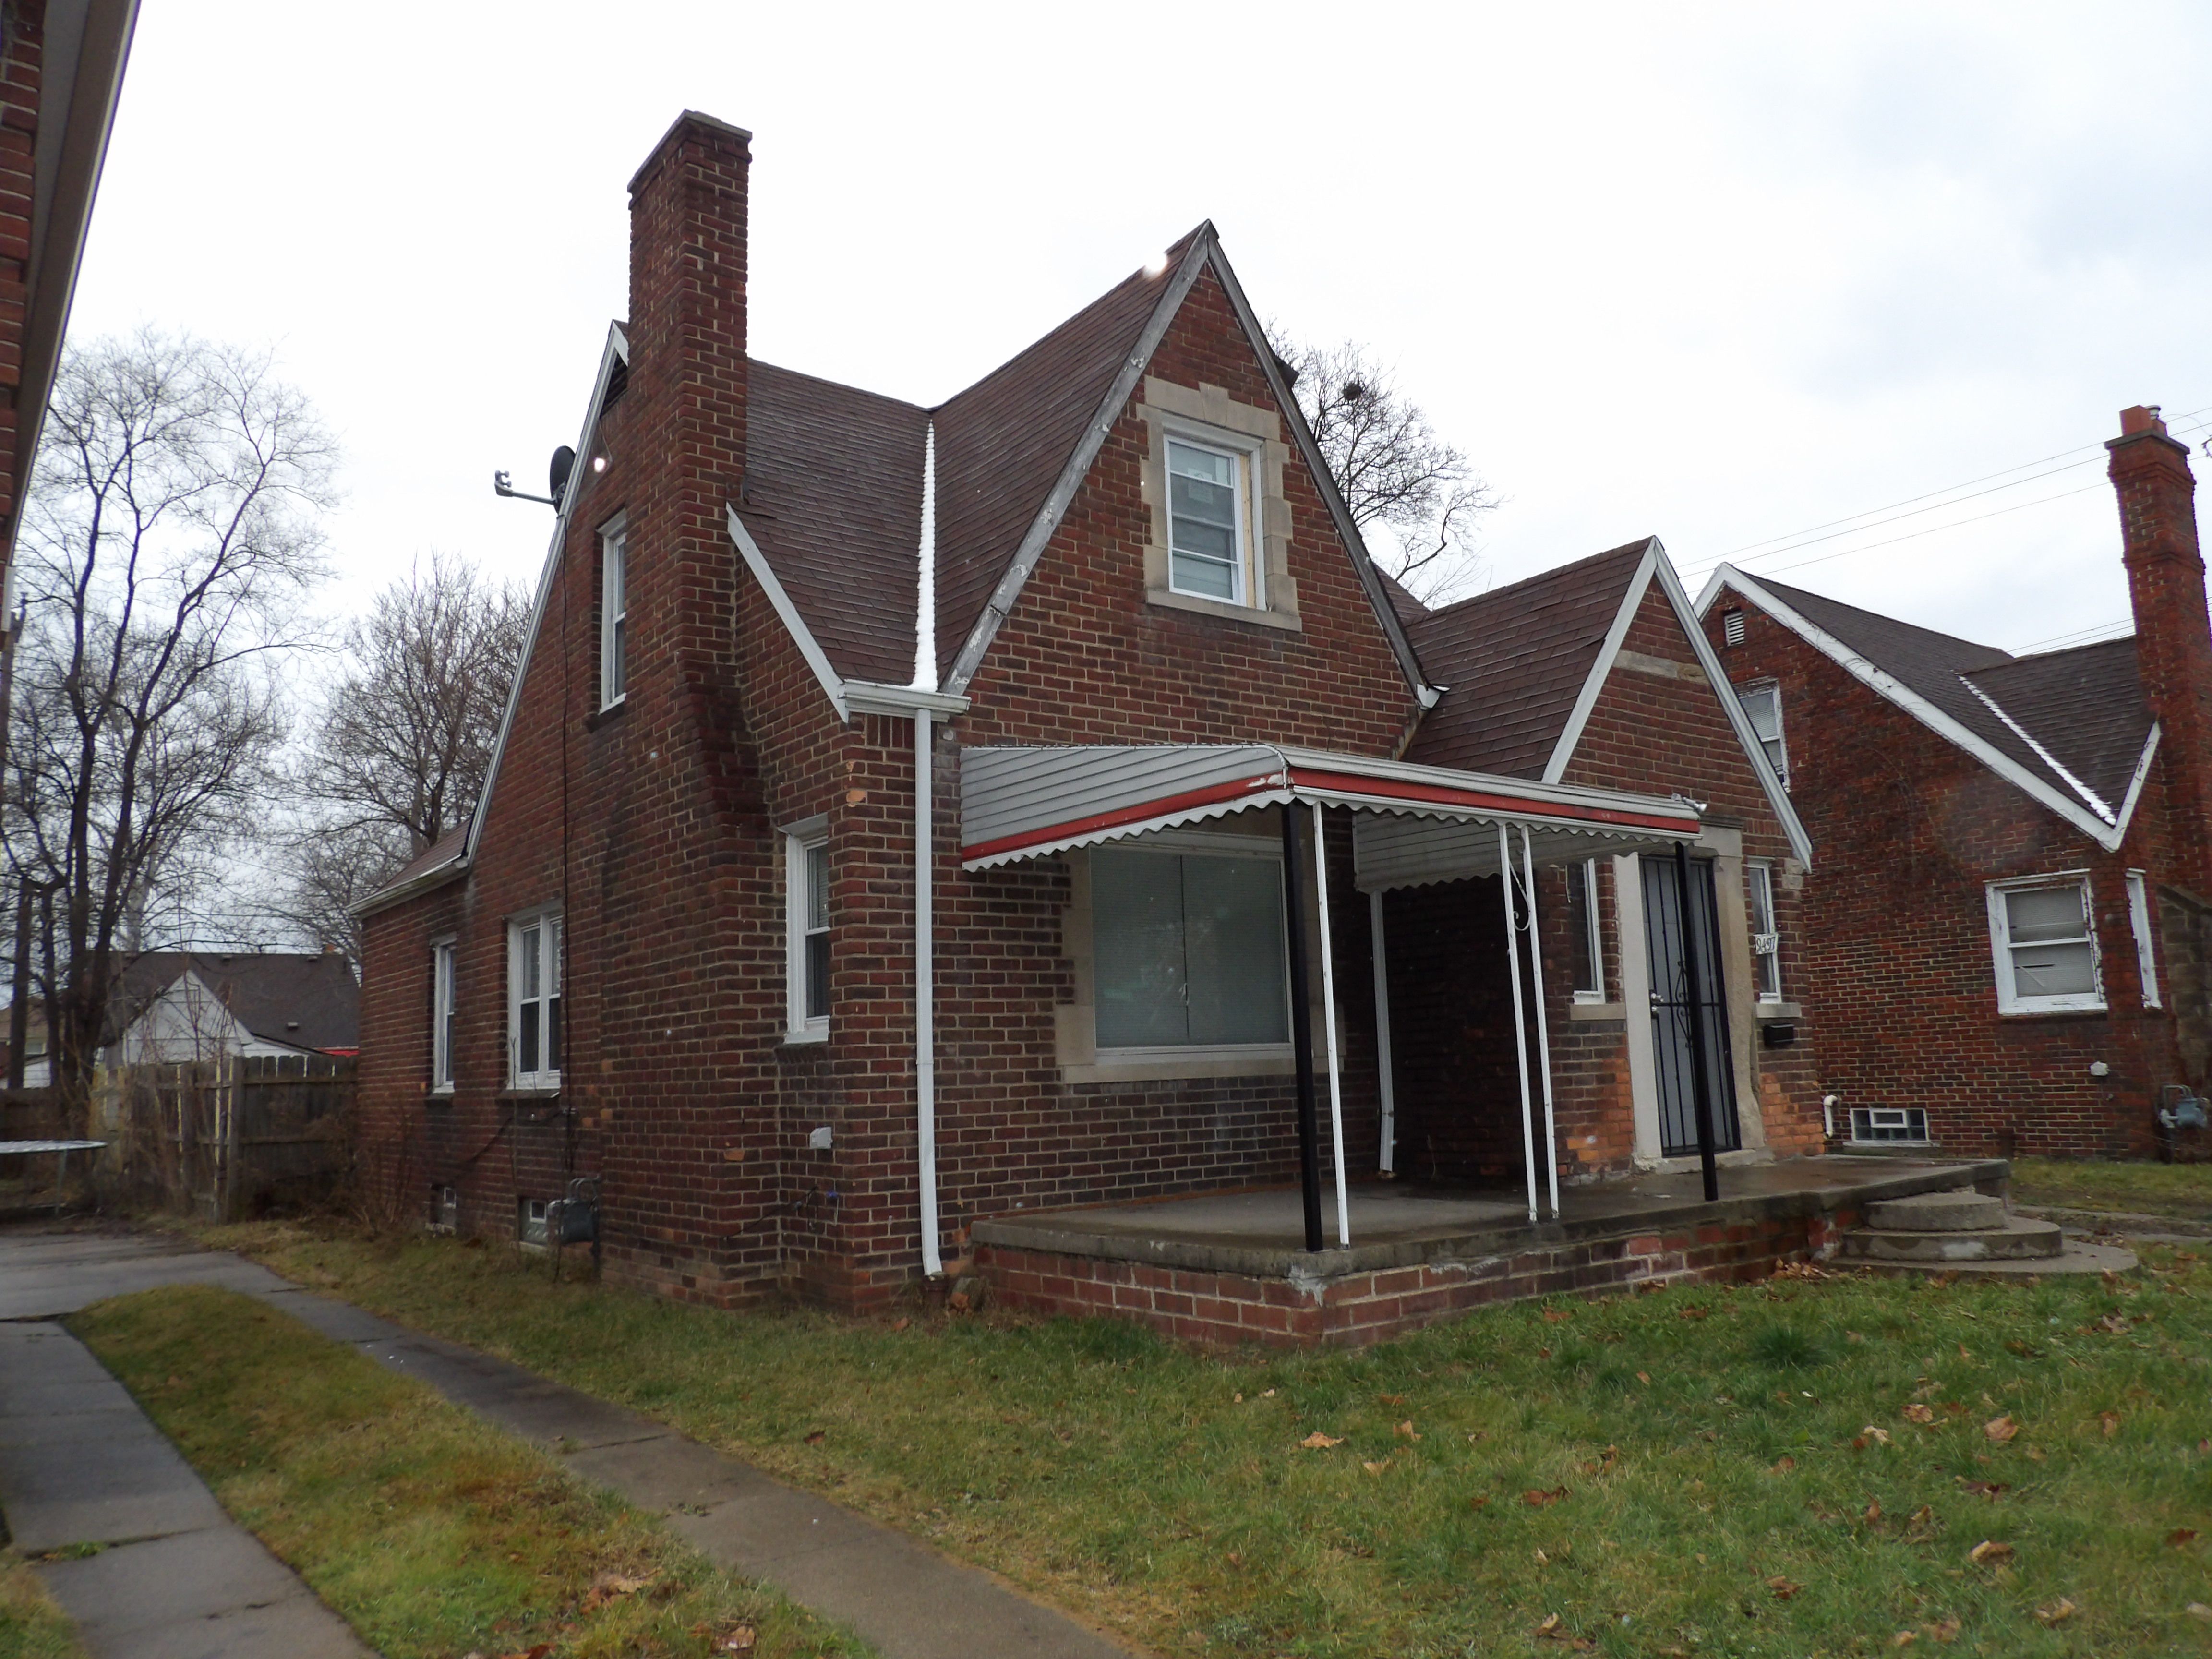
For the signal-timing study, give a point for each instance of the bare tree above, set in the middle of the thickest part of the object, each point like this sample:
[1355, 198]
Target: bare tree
[1392, 469]
[172, 529]
[406, 738]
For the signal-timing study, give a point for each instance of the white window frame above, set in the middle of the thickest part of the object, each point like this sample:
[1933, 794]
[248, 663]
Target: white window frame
[2146, 943]
[1586, 873]
[551, 937]
[614, 613]
[2010, 1001]
[1765, 946]
[1199, 844]
[1247, 591]
[1780, 761]
[444, 966]
[798, 841]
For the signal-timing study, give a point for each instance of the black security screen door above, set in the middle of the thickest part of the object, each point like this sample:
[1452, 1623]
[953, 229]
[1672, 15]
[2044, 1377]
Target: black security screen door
[1671, 1003]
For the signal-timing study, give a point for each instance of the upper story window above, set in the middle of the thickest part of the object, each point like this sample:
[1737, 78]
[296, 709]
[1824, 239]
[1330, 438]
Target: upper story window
[2044, 944]
[442, 1002]
[806, 921]
[1763, 704]
[1765, 936]
[533, 999]
[1189, 950]
[1582, 931]
[1209, 514]
[614, 613]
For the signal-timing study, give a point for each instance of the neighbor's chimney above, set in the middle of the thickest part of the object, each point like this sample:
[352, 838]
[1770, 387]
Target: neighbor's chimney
[687, 384]
[2173, 638]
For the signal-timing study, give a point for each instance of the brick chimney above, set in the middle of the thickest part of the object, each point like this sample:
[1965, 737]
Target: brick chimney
[687, 381]
[2173, 638]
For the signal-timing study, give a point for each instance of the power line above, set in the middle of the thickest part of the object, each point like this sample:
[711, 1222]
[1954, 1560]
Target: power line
[1933, 529]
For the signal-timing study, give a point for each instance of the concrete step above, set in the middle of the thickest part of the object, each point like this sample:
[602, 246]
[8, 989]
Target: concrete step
[2076, 1258]
[1936, 1212]
[2014, 1238]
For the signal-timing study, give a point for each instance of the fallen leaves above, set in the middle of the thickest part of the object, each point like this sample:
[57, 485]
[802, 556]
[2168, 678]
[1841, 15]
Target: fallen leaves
[1391, 1398]
[1555, 1316]
[1605, 1463]
[613, 1586]
[1405, 1431]
[1536, 1499]
[2110, 1420]
[1554, 1629]
[1783, 1464]
[1919, 1413]
[1782, 1588]
[1375, 1468]
[816, 1437]
[1990, 1552]
[1692, 1313]
[1645, 1377]
[1318, 1442]
[1870, 1435]
[2198, 1610]
[2057, 1614]
[2181, 1537]
[1943, 1629]
[1873, 1511]
[1988, 1489]
[2001, 1429]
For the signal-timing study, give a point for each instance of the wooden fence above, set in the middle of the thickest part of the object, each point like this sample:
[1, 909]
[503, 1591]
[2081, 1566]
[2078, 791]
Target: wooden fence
[228, 1137]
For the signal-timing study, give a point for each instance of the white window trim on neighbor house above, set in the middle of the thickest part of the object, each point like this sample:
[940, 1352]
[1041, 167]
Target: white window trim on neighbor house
[546, 926]
[443, 967]
[2146, 944]
[1209, 419]
[1765, 933]
[1778, 747]
[614, 613]
[801, 842]
[1583, 876]
[2010, 1000]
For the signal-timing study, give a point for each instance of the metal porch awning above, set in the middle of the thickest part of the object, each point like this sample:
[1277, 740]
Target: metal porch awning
[1415, 825]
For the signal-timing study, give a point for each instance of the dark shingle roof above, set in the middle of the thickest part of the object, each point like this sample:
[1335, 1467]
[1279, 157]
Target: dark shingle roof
[1409, 609]
[833, 495]
[2082, 708]
[1516, 658]
[307, 1001]
[1003, 443]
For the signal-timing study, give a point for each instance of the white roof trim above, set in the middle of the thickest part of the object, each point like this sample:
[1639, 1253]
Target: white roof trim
[1594, 682]
[2097, 802]
[793, 624]
[1888, 685]
[925, 583]
[616, 350]
[2135, 783]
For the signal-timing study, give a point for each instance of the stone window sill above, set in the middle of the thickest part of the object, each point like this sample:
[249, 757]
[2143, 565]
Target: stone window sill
[1172, 600]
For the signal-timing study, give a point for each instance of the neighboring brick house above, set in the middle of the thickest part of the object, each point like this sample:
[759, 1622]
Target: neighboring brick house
[2014, 862]
[1107, 605]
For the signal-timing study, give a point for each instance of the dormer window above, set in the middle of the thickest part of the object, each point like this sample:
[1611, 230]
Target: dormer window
[1209, 514]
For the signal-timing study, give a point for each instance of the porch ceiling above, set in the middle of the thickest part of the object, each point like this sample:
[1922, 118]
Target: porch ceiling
[1415, 823]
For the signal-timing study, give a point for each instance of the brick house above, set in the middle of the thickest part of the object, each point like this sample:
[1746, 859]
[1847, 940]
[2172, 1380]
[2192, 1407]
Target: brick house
[2013, 849]
[1103, 615]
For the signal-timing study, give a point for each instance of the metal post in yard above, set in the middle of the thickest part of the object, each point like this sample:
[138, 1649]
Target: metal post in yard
[1701, 1092]
[1294, 925]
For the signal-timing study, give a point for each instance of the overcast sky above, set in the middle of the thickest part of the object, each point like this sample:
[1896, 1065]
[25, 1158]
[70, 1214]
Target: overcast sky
[1719, 275]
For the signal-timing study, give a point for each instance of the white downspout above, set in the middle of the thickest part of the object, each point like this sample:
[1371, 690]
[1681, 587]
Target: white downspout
[925, 865]
[1520, 1026]
[1543, 1038]
[1329, 1024]
[1389, 1159]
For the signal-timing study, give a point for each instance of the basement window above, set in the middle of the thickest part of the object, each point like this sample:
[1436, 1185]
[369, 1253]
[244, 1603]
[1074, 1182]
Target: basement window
[1891, 1124]
[1189, 951]
[2045, 946]
[530, 1221]
[533, 979]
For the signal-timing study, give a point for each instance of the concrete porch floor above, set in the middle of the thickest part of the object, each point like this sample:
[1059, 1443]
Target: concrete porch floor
[1402, 1222]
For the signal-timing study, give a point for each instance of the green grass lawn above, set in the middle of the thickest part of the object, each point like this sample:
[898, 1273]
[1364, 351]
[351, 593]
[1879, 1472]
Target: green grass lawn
[433, 1533]
[2168, 1189]
[1702, 1471]
[31, 1625]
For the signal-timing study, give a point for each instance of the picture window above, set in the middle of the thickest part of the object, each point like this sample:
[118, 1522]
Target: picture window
[1189, 951]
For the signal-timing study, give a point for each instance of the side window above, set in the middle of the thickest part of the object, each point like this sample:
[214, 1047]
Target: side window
[1763, 704]
[806, 921]
[1765, 938]
[2045, 949]
[533, 1001]
[614, 613]
[1582, 926]
[441, 1014]
[1189, 951]
[1210, 550]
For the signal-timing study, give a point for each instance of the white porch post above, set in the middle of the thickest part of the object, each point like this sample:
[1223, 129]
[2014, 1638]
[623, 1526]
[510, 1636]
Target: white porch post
[1520, 1027]
[1388, 1158]
[1543, 1038]
[1329, 1024]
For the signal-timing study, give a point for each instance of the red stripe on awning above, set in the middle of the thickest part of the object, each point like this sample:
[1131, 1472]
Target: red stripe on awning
[1349, 783]
[1188, 801]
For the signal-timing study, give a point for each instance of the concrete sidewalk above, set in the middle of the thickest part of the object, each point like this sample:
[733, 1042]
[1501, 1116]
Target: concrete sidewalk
[177, 1578]
[898, 1594]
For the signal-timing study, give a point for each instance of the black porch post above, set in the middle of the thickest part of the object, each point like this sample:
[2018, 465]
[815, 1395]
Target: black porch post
[1701, 1091]
[1294, 924]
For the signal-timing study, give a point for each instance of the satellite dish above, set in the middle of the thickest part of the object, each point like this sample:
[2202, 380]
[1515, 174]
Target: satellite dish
[564, 462]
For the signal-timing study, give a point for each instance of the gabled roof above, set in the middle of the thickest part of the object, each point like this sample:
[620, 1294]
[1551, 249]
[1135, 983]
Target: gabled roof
[435, 864]
[303, 1000]
[1514, 660]
[2069, 728]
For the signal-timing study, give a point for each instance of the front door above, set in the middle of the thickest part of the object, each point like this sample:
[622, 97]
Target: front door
[1674, 1003]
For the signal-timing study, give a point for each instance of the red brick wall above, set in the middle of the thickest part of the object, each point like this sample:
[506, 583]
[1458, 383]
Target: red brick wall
[1907, 830]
